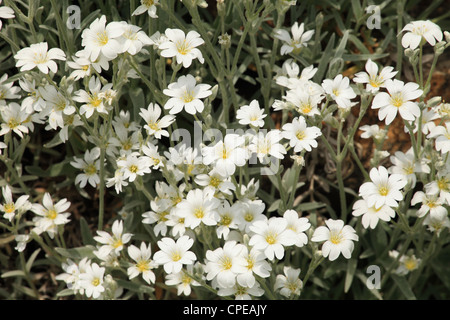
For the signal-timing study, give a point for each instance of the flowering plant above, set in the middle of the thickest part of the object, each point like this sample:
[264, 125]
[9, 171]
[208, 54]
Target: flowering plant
[215, 150]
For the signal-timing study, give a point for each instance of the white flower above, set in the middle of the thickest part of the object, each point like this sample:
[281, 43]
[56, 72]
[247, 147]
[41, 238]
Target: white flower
[431, 203]
[215, 181]
[182, 280]
[421, 30]
[50, 215]
[173, 255]
[408, 263]
[251, 114]
[182, 46]
[7, 90]
[371, 215]
[225, 215]
[299, 135]
[266, 145]
[340, 91]
[5, 13]
[22, 240]
[33, 101]
[428, 124]
[298, 225]
[435, 224]
[57, 105]
[272, 236]
[242, 292]
[226, 154]
[13, 119]
[92, 280]
[221, 264]
[90, 166]
[372, 131]
[186, 93]
[118, 181]
[153, 124]
[198, 207]
[101, 39]
[148, 6]
[134, 165]
[374, 80]
[158, 215]
[133, 38]
[304, 102]
[406, 164]
[440, 185]
[250, 211]
[143, 263]
[112, 242]
[83, 65]
[398, 100]
[94, 99]
[38, 55]
[253, 263]
[338, 239]
[298, 40]
[10, 207]
[383, 188]
[289, 283]
[441, 135]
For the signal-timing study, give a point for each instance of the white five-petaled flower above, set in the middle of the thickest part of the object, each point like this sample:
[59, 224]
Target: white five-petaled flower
[267, 145]
[304, 102]
[154, 125]
[57, 105]
[431, 203]
[112, 242]
[186, 93]
[92, 280]
[398, 99]
[289, 283]
[298, 225]
[173, 255]
[133, 39]
[38, 55]
[7, 90]
[418, 31]
[441, 135]
[340, 90]
[405, 163]
[49, 215]
[10, 207]
[383, 188]
[373, 80]
[90, 165]
[251, 114]
[13, 119]
[222, 264]
[271, 236]
[101, 39]
[199, 207]
[226, 154]
[298, 40]
[134, 165]
[143, 264]
[148, 6]
[338, 239]
[300, 136]
[94, 100]
[371, 215]
[182, 46]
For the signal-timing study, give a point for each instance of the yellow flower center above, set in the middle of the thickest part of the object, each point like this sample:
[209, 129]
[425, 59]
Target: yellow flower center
[148, 3]
[153, 125]
[383, 191]
[199, 213]
[117, 243]
[102, 38]
[187, 96]
[13, 123]
[215, 182]
[9, 207]
[248, 217]
[90, 170]
[51, 214]
[271, 238]
[133, 168]
[410, 264]
[226, 263]
[250, 263]
[176, 256]
[40, 58]
[300, 135]
[185, 279]
[336, 237]
[306, 108]
[397, 100]
[225, 220]
[183, 47]
[442, 184]
[95, 101]
[143, 266]
[95, 282]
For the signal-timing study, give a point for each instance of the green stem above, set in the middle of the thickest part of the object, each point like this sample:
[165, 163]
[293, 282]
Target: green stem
[101, 207]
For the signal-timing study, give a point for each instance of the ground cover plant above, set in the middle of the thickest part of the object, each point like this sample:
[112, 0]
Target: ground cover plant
[224, 149]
